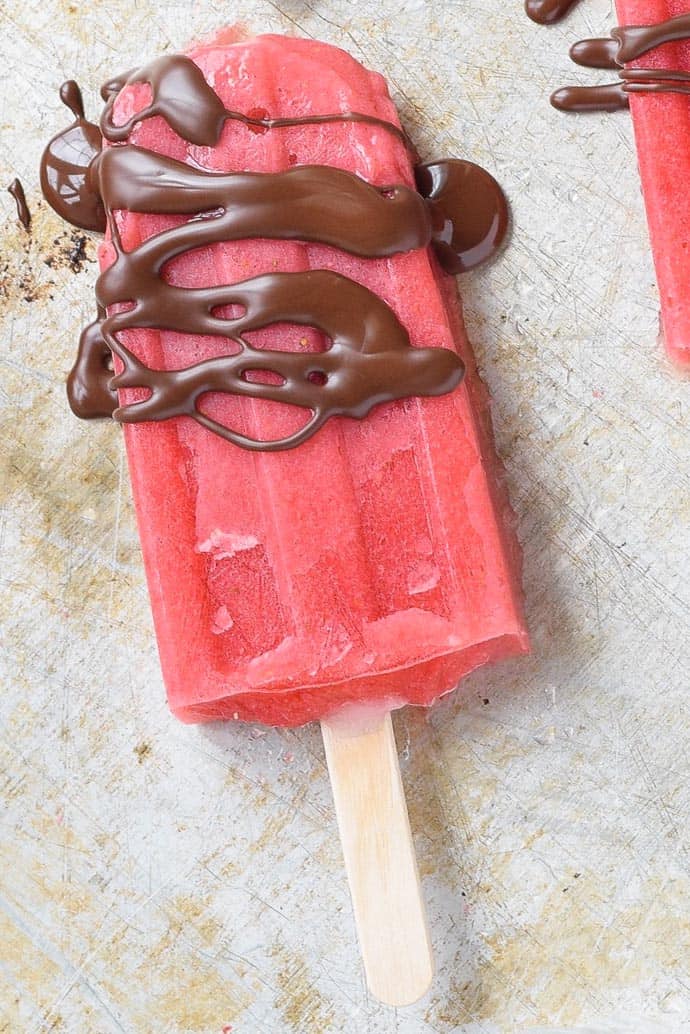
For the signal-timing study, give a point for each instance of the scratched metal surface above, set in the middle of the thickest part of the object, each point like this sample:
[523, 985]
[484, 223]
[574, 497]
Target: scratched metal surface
[155, 877]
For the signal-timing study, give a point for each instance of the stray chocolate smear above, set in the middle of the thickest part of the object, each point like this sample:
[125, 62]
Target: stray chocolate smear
[23, 214]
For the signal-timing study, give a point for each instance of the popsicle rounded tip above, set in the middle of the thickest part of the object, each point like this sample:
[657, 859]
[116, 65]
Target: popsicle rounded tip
[415, 987]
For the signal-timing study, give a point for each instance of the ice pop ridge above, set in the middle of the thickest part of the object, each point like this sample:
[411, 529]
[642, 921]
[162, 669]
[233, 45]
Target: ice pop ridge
[375, 564]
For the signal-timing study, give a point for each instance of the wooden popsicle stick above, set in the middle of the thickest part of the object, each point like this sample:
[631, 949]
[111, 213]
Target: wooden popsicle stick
[380, 859]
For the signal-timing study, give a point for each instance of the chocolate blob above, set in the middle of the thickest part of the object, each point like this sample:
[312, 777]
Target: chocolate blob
[611, 97]
[469, 211]
[65, 167]
[595, 53]
[88, 385]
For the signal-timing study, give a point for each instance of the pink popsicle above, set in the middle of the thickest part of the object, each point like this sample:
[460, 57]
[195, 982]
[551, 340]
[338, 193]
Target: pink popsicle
[376, 564]
[662, 134]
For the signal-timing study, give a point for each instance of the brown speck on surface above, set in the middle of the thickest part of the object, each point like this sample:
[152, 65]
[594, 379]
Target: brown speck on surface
[142, 750]
[71, 249]
[77, 255]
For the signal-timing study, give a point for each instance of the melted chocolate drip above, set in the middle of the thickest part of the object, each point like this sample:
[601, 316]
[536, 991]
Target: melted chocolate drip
[88, 385]
[626, 43]
[65, 166]
[369, 359]
[591, 98]
[23, 214]
[469, 209]
[547, 12]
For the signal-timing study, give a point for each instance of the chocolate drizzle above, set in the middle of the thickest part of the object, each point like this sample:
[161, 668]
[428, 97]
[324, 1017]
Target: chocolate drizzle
[306, 203]
[181, 95]
[626, 43]
[369, 361]
[636, 40]
[368, 358]
[23, 214]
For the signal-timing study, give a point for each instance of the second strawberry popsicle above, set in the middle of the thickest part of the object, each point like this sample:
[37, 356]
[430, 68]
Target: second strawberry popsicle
[650, 51]
[663, 153]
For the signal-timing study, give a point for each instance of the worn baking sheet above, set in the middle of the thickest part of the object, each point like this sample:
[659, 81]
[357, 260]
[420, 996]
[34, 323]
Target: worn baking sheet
[155, 877]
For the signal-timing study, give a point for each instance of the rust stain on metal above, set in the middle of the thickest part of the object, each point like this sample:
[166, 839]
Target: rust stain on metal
[299, 1001]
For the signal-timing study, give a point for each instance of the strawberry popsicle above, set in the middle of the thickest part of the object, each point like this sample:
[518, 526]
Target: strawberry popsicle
[650, 50]
[663, 154]
[323, 522]
[324, 563]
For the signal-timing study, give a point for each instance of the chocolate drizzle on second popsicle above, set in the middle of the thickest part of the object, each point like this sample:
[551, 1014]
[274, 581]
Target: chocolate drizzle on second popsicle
[462, 213]
[626, 43]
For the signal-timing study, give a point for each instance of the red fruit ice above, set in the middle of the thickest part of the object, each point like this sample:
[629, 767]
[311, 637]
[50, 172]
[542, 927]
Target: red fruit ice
[374, 564]
[661, 124]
